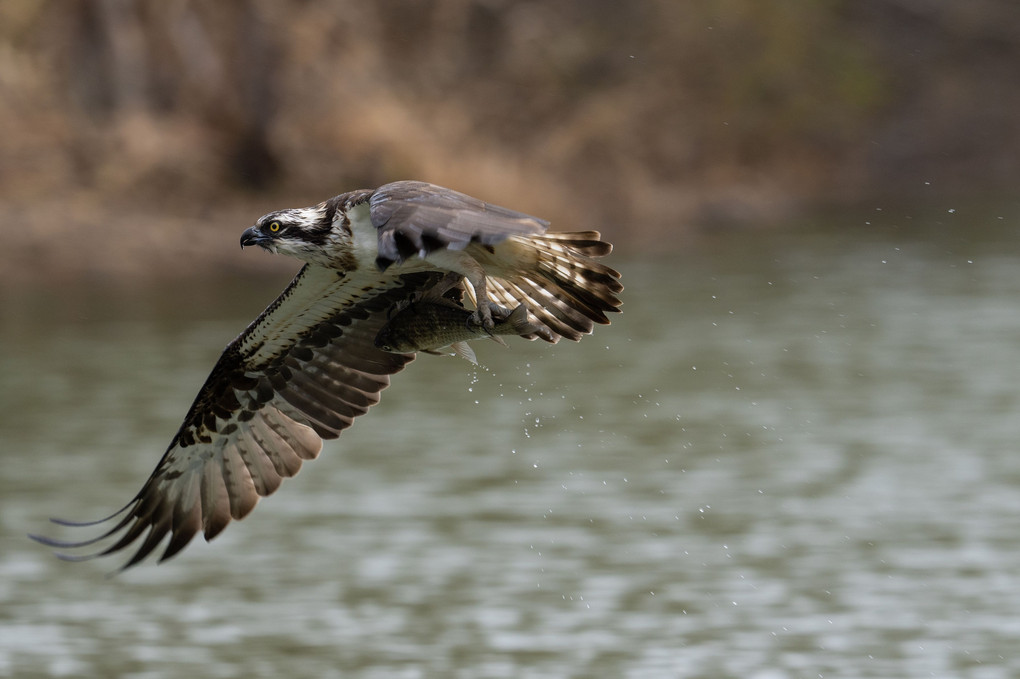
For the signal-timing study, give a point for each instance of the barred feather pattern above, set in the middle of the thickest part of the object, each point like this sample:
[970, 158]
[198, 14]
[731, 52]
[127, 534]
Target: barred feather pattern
[565, 289]
[263, 411]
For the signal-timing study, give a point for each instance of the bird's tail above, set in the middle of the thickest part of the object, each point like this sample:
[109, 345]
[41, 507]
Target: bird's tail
[565, 289]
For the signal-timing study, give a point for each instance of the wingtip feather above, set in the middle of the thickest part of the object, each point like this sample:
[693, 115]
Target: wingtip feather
[86, 524]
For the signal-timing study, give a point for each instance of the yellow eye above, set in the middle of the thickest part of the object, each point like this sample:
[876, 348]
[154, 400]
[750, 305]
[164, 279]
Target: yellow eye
[274, 226]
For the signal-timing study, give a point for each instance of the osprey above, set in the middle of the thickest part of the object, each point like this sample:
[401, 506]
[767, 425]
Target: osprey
[308, 365]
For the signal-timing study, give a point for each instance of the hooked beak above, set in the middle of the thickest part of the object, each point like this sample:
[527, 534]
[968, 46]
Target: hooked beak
[252, 237]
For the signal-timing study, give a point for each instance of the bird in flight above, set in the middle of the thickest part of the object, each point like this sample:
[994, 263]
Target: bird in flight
[308, 365]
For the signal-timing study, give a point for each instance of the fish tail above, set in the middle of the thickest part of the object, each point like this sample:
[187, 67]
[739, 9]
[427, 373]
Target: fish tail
[518, 320]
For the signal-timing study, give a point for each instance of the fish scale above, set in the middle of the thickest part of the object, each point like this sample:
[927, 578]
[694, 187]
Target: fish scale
[430, 325]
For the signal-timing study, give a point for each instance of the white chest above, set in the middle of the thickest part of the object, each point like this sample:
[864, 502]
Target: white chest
[365, 237]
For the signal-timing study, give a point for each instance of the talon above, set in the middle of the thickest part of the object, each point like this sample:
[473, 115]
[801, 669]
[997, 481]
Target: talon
[499, 313]
[482, 317]
[487, 315]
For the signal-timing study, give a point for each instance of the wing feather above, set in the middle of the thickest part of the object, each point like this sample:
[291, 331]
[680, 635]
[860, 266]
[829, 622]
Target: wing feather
[326, 422]
[279, 458]
[300, 372]
[260, 466]
[186, 524]
[215, 501]
[241, 493]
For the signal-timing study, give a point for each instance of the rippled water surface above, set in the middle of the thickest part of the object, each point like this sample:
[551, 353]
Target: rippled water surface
[793, 455]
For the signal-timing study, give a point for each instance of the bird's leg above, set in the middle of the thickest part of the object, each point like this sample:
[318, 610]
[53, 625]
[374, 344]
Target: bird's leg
[484, 308]
[497, 314]
[451, 280]
[460, 263]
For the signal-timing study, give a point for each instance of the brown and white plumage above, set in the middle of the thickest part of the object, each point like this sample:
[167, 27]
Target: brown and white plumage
[307, 366]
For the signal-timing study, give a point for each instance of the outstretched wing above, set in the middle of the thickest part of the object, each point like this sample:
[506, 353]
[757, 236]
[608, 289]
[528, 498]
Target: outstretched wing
[416, 218]
[301, 372]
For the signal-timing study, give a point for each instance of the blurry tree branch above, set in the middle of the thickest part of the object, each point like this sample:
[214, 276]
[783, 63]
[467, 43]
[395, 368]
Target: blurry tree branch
[630, 117]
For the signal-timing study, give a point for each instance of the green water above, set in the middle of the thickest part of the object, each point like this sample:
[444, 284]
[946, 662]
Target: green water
[794, 455]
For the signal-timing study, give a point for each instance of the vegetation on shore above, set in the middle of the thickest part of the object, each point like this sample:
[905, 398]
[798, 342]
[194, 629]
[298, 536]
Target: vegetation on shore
[172, 125]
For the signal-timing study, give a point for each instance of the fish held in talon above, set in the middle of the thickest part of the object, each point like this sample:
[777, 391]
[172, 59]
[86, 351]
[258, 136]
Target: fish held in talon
[433, 324]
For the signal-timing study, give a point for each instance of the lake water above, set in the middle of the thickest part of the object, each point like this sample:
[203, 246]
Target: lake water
[794, 455]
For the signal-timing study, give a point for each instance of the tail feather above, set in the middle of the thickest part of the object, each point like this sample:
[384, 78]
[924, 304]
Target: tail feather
[587, 243]
[564, 288]
[576, 302]
[553, 318]
[561, 313]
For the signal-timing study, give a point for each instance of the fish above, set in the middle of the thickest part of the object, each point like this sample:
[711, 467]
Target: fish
[433, 323]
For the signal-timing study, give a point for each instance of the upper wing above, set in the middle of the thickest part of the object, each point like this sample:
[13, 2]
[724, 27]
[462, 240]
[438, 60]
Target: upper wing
[415, 218]
[301, 372]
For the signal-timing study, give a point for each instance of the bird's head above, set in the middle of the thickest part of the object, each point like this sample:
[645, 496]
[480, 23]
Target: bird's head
[311, 234]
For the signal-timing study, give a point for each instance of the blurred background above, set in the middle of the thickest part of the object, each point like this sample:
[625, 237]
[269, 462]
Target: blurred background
[794, 454]
[654, 121]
